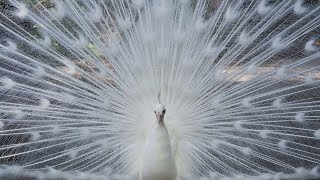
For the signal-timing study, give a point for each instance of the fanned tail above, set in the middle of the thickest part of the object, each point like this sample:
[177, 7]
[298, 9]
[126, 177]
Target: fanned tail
[239, 79]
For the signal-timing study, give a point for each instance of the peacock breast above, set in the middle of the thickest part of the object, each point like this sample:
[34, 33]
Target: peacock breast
[158, 162]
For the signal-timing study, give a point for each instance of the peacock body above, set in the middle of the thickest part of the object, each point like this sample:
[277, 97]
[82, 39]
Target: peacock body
[239, 80]
[157, 155]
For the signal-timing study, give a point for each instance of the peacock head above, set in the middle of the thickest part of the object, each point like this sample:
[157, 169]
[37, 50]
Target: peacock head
[159, 111]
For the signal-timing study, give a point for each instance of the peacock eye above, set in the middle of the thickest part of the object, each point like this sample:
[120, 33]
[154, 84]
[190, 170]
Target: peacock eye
[164, 111]
[155, 112]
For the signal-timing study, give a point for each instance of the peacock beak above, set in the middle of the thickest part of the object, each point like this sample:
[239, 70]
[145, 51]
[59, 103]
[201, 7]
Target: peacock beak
[159, 117]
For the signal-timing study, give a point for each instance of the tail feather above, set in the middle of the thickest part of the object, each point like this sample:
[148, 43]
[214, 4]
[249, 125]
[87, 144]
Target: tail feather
[240, 81]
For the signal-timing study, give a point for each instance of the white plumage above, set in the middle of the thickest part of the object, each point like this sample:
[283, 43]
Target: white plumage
[158, 162]
[239, 79]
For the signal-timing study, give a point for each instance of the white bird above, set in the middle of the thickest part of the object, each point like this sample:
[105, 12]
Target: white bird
[239, 79]
[158, 162]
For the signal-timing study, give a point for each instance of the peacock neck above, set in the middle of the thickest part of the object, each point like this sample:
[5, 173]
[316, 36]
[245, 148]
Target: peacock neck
[161, 124]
